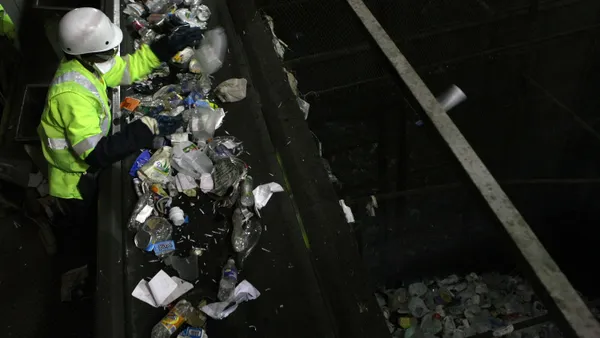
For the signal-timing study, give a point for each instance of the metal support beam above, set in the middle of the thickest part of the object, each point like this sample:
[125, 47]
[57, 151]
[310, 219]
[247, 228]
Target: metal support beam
[573, 309]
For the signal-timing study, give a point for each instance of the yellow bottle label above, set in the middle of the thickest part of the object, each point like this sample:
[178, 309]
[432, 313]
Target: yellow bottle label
[172, 321]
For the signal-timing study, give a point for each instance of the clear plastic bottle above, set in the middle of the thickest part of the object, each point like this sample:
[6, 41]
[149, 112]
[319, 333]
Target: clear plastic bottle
[245, 236]
[173, 320]
[246, 196]
[228, 280]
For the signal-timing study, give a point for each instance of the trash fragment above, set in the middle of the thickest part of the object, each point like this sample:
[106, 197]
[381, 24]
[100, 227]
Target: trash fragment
[161, 290]
[186, 184]
[206, 183]
[226, 175]
[159, 230]
[347, 212]
[228, 280]
[162, 249]
[70, 280]
[191, 160]
[173, 320]
[262, 193]
[242, 293]
[246, 233]
[145, 200]
[211, 53]
[176, 216]
[232, 90]
[223, 147]
[158, 168]
[192, 332]
[186, 267]
[142, 159]
[451, 98]
[246, 194]
[279, 45]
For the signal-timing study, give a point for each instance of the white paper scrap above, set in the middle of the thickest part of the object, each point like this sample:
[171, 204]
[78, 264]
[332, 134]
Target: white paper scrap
[185, 182]
[243, 292]
[144, 213]
[206, 183]
[347, 212]
[263, 193]
[161, 290]
[161, 286]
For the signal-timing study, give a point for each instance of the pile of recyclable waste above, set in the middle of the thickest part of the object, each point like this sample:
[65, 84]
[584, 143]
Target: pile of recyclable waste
[457, 307]
[187, 161]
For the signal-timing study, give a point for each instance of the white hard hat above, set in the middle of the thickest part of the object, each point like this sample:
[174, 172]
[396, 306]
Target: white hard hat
[87, 30]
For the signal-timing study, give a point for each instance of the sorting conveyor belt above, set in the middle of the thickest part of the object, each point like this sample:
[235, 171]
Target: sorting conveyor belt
[293, 302]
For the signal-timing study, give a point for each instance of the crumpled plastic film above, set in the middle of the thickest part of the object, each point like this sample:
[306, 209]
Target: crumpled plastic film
[221, 147]
[232, 90]
[227, 174]
[202, 122]
[158, 168]
[211, 53]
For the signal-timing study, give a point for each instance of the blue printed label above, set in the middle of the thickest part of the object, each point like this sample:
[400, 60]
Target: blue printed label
[230, 273]
[193, 332]
[165, 247]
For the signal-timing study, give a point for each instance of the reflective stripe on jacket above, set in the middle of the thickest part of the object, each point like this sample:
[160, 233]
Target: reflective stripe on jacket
[77, 115]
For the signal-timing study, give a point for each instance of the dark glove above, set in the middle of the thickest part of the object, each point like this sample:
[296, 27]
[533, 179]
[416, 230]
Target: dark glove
[115, 147]
[167, 46]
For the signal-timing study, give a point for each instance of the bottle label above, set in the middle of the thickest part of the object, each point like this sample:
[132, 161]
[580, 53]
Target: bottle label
[193, 332]
[162, 248]
[172, 321]
[230, 273]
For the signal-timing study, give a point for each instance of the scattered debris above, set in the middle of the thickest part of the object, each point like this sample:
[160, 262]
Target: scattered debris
[460, 306]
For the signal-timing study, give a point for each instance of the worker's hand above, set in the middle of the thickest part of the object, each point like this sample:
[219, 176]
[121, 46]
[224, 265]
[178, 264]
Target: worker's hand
[167, 46]
[151, 123]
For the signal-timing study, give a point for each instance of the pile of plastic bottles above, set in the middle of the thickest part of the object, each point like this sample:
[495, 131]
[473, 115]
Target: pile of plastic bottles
[457, 307]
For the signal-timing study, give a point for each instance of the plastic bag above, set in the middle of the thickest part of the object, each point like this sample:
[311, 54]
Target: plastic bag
[223, 147]
[142, 159]
[232, 90]
[191, 160]
[164, 91]
[203, 121]
[211, 53]
[158, 168]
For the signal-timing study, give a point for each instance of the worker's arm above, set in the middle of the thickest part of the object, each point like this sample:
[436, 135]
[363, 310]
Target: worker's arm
[86, 138]
[132, 67]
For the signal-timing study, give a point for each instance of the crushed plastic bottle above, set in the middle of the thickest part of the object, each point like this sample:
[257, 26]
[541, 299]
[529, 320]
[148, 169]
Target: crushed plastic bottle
[144, 200]
[246, 233]
[227, 174]
[158, 228]
[228, 280]
[246, 196]
[173, 320]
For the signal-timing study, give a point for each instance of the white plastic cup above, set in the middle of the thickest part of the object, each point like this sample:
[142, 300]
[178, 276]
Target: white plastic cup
[451, 98]
[176, 216]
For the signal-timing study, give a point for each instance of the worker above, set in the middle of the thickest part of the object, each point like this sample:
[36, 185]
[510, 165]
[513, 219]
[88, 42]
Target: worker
[75, 128]
[7, 27]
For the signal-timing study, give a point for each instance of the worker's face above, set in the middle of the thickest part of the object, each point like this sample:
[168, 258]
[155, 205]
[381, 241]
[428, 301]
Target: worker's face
[103, 61]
